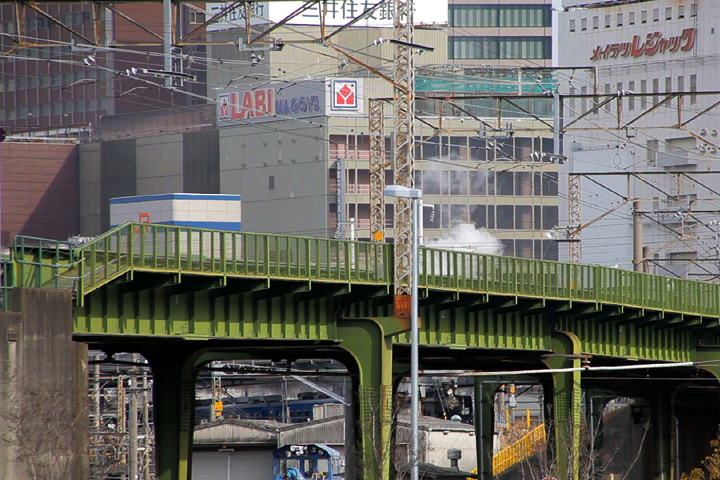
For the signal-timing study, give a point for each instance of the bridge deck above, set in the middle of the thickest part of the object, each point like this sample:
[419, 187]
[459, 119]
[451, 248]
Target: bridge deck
[182, 250]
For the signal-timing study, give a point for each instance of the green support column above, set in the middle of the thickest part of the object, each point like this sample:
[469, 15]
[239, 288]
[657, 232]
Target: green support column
[173, 398]
[484, 427]
[594, 406]
[661, 423]
[567, 397]
[369, 342]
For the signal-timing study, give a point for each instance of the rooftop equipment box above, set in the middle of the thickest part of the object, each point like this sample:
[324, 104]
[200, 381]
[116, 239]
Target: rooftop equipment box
[219, 212]
[209, 225]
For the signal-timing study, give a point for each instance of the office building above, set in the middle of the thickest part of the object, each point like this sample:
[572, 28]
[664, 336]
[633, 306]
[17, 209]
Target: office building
[53, 81]
[300, 160]
[652, 145]
[500, 33]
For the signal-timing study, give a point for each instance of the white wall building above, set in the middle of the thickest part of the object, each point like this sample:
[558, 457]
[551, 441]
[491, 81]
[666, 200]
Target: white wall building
[646, 47]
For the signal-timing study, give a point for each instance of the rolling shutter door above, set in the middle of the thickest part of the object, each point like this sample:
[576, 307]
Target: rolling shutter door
[251, 464]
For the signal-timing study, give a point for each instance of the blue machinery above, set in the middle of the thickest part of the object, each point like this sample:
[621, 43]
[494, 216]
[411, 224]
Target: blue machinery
[307, 462]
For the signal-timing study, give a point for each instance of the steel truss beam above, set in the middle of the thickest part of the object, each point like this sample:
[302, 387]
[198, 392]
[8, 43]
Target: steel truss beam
[404, 148]
[376, 119]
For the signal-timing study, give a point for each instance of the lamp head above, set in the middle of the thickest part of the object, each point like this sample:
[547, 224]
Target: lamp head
[398, 191]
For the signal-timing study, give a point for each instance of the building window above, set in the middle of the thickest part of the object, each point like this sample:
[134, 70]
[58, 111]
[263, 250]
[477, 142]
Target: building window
[656, 14]
[668, 84]
[631, 18]
[197, 17]
[271, 182]
[643, 89]
[500, 47]
[643, 16]
[693, 88]
[619, 19]
[583, 24]
[572, 25]
[681, 84]
[652, 150]
[668, 13]
[607, 92]
[505, 217]
[681, 11]
[596, 23]
[607, 21]
[500, 15]
[693, 8]
[656, 89]
[631, 98]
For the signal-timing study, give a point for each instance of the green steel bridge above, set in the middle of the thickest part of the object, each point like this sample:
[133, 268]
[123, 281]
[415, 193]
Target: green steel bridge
[183, 297]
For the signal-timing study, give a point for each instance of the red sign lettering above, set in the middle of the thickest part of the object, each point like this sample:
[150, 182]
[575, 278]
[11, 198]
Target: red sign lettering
[653, 44]
[254, 103]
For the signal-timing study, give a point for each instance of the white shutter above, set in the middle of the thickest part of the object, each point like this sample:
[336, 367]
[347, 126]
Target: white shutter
[249, 464]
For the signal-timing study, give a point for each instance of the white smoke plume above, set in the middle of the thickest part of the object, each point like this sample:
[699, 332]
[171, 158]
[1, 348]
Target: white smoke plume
[465, 237]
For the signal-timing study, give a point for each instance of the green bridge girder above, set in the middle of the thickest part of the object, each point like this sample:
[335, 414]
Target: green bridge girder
[202, 293]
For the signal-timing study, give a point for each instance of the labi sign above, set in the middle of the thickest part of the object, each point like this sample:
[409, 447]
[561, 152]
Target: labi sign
[281, 101]
[277, 102]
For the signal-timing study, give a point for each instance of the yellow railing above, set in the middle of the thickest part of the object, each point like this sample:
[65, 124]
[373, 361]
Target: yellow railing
[527, 445]
[520, 450]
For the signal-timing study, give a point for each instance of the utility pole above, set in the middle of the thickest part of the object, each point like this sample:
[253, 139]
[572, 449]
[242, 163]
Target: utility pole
[147, 452]
[217, 406]
[404, 149]
[133, 429]
[637, 237]
[574, 219]
[167, 39]
[377, 169]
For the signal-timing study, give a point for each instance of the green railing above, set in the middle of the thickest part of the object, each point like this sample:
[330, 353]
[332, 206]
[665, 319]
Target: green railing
[7, 280]
[212, 252]
[41, 262]
[472, 272]
[215, 252]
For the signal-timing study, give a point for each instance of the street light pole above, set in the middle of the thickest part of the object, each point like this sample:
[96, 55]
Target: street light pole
[415, 195]
[414, 350]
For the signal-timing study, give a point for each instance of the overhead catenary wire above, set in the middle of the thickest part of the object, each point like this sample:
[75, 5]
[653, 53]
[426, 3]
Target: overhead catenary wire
[585, 368]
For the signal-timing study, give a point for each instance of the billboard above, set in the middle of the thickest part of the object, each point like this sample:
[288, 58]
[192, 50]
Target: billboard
[339, 12]
[283, 100]
[345, 96]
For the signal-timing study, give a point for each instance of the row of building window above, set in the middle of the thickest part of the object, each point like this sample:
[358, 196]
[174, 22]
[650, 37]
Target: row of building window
[497, 48]
[479, 182]
[537, 249]
[457, 182]
[500, 15]
[456, 148]
[491, 217]
[643, 102]
[488, 107]
[69, 19]
[54, 80]
[35, 111]
[621, 18]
